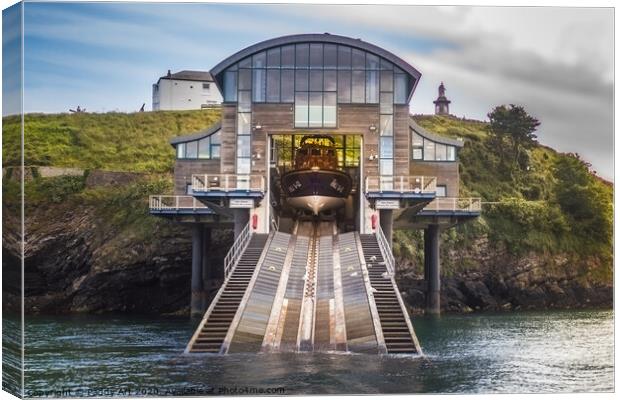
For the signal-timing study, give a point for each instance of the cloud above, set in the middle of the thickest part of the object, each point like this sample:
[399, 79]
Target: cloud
[557, 62]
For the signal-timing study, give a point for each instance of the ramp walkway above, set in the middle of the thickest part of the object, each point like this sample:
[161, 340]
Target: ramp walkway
[312, 290]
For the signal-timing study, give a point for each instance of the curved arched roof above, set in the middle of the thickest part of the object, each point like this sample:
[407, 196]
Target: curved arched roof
[318, 38]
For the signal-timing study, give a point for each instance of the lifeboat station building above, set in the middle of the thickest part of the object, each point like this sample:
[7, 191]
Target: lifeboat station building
[314, 163]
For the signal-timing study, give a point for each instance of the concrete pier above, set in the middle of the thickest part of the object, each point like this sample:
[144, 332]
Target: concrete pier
[242, 217]
[210, 279]
[433, 269]
[197, 282]
[385, 220]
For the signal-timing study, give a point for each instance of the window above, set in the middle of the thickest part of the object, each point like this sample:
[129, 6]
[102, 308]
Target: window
[191, 150]
[203, 149]
[283, 73]
[344, 86]
[329, 110]
[273, 86]
[181, 150]
[243, 124]
[441, 191]
[440, 152]
[230, 86]
[330, 56]
[386, 147]
[316, 55]
[301, 109]
[357, 86]
[400, 88]
[372, 87]
[417, 142]
[288, 57]
[259, 85]
[429, 150]
[301, 55]
[259, 60]
[385, 125]
[273, 58]
[288, 86]
[451, 156]
[329, 81]
[316, 110]
[386, 103]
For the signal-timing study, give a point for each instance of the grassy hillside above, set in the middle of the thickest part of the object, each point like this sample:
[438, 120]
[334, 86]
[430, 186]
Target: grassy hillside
[550, 204]
[113, 141]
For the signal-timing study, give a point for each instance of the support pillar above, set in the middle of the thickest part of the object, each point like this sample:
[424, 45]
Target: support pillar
[431, 235]
[242, 217]
[197, 286]
[385, 220]
[427, 252]
[207, 270]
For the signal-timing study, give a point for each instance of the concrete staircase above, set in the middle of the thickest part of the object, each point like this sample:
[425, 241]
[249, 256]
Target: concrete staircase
[394, 320]
[213, 330]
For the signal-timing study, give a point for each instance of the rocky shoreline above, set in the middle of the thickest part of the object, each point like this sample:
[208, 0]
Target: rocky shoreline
[74, 265]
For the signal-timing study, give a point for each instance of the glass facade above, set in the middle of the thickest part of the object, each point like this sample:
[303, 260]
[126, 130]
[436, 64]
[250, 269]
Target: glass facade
[316, 77]
[427, 150]
[204, 149]
[347, 147]
[311, 73]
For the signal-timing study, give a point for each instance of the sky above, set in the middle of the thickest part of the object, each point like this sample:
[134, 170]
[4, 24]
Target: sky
[556, 62]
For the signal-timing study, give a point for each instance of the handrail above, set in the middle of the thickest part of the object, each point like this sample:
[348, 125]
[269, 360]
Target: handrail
[275, 223]
[465, 204]
[237, 249]
[386, 249]
[172, 202]
[402, 184]
[227, 182]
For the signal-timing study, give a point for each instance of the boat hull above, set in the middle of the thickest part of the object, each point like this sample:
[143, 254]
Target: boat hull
[316, 190]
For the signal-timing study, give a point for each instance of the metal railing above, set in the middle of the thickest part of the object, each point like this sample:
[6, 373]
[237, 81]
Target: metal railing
[170, 202]
[227, 183]
[275, 224]
[237, 249]
[402, 184]
[386, 249]
[465, 204]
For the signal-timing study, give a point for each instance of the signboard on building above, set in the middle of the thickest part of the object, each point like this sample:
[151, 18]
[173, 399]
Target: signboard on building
[241, 203]
[387, 204]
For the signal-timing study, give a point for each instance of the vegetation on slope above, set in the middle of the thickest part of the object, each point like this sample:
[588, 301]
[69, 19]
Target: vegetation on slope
[137, 142]
[547, 202]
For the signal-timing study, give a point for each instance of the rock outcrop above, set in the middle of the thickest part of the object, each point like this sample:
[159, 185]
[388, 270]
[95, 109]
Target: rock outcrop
[495, 280]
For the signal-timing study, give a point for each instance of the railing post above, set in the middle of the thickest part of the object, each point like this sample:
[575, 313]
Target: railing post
[226, 183]
[176, 204]
[454, 204]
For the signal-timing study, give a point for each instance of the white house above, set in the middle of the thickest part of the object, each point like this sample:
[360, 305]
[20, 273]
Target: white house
[185, 90]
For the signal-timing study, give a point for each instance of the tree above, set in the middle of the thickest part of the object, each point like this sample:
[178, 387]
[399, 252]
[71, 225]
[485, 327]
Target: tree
[585, 199]
[513, 128]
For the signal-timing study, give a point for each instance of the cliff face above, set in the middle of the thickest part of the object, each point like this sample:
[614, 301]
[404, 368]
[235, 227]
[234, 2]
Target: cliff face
[77, 261]
[485, 278]
[80, 258]
[544, 238]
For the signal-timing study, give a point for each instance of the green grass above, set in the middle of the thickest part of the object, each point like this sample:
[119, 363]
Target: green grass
[553, 205]
[137, 142]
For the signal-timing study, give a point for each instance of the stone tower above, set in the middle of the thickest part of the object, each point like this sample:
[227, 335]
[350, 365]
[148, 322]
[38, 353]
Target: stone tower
[442, 104]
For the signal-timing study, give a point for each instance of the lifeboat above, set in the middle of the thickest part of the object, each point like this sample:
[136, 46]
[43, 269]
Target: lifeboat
[316, 183]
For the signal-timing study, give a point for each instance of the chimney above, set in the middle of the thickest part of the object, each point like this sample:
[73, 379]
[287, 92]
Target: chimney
[169, 74]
